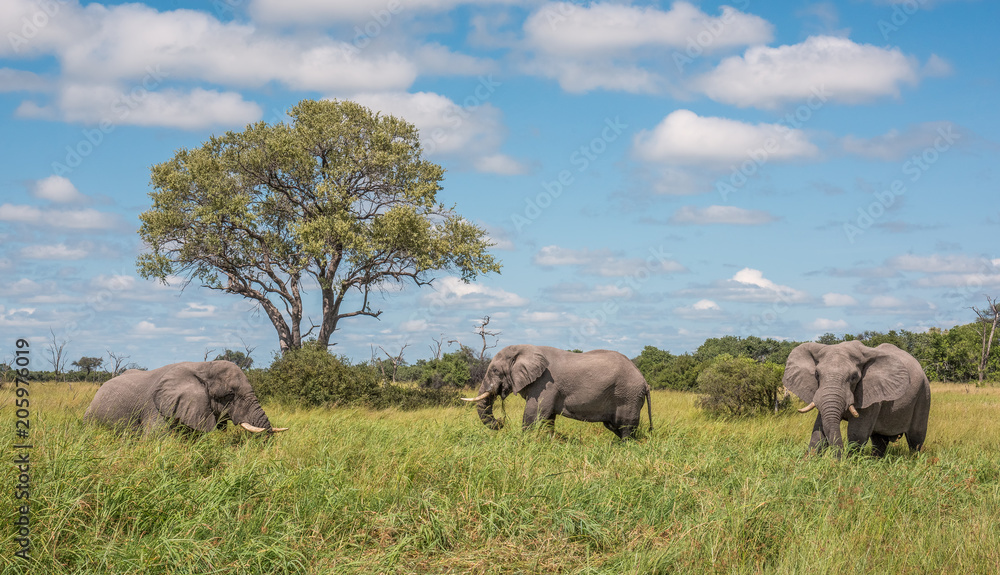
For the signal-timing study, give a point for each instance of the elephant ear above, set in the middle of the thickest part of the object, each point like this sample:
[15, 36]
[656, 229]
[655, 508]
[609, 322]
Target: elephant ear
[883, 378]
[182, 396]
[800, 371]
[529, 365]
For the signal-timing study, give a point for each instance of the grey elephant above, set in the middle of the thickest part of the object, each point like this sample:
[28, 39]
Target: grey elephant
[598, 386]
[882, 392]
[198, 395]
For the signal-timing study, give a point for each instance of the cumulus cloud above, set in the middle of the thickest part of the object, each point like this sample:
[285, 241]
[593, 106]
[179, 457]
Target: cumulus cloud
[447, 129]
[821, 67]
[824, 324]
[600, 46]
[684, 137]
[454, 293]
[748, 285]
[686, 152]
[57, 189]
[569, 29]
[721, 215]
[131, 64]
[838, 300]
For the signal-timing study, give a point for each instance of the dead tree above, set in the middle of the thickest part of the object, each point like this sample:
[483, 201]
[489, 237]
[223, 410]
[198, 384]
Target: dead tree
[483, 333]
[986, 326]
[117, 362]
[394, 360]
[440, 343]
[56, 356]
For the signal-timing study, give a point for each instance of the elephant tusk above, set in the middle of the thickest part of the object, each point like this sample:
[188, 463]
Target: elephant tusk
[808, 408]
[278, 429]
[252, 428]
[853, 411]
[482, 395]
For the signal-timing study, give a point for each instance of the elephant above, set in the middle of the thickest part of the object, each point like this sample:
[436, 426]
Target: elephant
[194, 395]
[883, 390]
[598, 386]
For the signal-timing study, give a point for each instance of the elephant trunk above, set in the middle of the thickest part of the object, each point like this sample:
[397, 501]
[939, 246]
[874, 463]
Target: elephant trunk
[485, 409]
[251, 415]
[831, 408]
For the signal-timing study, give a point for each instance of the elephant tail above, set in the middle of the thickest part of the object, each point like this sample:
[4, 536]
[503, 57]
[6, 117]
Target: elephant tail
[649, 409]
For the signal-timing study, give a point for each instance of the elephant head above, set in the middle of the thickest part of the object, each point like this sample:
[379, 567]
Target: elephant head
[840, 379]
[203, 396]
[511, 370]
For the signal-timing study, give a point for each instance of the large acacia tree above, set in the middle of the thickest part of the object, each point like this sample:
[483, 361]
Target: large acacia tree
[338, 200]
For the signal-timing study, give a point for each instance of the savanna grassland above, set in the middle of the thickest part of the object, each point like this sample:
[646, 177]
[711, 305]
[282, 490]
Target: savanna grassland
[433, 491]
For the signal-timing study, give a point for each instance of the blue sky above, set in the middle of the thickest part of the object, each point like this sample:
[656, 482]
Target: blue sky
[651, 173]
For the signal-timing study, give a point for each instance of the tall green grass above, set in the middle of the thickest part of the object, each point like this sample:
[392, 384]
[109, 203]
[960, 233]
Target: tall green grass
[433, 491]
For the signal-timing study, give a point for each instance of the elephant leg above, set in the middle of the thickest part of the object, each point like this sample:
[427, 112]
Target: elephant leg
[537, 409]
[879, 444]
[915, 438]
[626, 431]
[817, 441]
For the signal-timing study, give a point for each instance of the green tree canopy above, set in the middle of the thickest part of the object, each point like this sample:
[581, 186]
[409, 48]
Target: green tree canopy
[89, 363]
[337, 201]
[238, 357]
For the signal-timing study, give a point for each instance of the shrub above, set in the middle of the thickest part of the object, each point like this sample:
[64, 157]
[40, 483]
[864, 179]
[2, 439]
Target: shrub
[312, 377]
[740, 386]
[663, 370]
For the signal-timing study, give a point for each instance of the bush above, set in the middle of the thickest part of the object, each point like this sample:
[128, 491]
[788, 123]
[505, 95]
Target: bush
[740, 386]
[312, 377]
[663, 370]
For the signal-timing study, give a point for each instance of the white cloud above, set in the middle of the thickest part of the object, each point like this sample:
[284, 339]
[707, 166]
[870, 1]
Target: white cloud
[499, 164]
[578, 292]
[568, 29]
[116, 283]
[452, 292]
[97, 103]
[599, 46]
[22, 81]
[748, 285]
[86, 219]
[448, 129]
[838, 300]
[721, 215]
[886, 301]
[821, 67]
[935, 263]
[701, 309]
[685, 138]
[197, 310]
[824, 324]
[371, 16]
[145, 327]
[57, 189]
[895, 145]
[54, 252]
[604, 262]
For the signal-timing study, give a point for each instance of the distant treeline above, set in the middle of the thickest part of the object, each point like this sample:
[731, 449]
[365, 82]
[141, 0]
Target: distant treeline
[947, 355]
